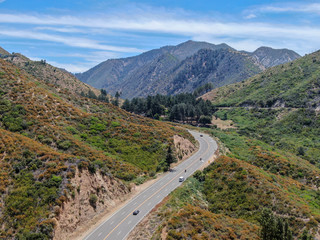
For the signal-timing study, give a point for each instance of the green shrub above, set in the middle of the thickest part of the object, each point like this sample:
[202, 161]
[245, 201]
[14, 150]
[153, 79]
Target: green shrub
[93, 200]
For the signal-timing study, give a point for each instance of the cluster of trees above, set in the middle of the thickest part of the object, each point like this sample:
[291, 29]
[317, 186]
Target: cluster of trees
[203, 89]
[273, 228]
[103, 97]
[184, 107]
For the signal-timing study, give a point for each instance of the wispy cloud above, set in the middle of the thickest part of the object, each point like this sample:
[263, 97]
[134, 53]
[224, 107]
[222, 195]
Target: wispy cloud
[290, 7]
[156, 24]
[70, 41]
[1, 1]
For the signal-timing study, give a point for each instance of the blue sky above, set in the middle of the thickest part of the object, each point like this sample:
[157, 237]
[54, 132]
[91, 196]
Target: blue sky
[77, 35]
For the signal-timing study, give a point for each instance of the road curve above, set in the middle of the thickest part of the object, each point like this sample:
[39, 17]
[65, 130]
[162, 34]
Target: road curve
[121, 223]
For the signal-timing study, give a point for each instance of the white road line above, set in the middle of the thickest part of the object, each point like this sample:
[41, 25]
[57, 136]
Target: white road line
[135, 203]
[111, 222]
[99, 234]
[119, 233]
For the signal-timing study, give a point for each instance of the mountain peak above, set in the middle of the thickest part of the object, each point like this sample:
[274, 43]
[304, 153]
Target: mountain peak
[270, 57]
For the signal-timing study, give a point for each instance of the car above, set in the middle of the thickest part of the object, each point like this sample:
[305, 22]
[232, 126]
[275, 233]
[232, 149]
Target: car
[181, 179]
[201, 135]
[136, 212]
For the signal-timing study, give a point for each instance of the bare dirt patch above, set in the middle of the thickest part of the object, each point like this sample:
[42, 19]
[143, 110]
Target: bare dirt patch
[184, 148]
[222, 124]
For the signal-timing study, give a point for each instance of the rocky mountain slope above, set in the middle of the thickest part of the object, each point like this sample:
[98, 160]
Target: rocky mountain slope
[175, 69]
[64, 158]
[270, 57]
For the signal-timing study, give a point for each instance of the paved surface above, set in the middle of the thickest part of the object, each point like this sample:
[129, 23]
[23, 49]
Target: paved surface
[121, 223]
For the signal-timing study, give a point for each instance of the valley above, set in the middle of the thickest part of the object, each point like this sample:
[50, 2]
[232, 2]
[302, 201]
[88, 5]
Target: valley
[71, 153]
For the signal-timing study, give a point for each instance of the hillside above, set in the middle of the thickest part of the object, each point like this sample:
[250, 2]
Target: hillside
[175, 69]
[65, 159]
[294, 85]
[50, 74]
[227, 199]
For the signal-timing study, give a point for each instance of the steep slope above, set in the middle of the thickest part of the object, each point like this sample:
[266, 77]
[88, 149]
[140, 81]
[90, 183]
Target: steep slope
[3, 52]
[220, 67]
[42, 70]
[112, 73]
[61, 155]
[294, 84]
[270, 57]
[157, 71]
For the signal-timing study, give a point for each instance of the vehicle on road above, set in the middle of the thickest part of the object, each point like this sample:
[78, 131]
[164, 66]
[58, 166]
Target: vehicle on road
[201, 135]
[136, 212]
[181, 179]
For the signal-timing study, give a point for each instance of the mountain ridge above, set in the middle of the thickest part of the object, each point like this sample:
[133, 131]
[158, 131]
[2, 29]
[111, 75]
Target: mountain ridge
[134, 74]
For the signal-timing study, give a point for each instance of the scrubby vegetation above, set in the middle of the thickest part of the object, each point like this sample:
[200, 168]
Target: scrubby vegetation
[46, 134]
[185, 215]
[295, 85]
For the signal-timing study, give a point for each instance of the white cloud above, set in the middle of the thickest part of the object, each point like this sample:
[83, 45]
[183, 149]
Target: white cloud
[250, 16]
[61, 29]
[1, 1]
[70, 41]
[292, 7]
[73, 68]
[158, 24]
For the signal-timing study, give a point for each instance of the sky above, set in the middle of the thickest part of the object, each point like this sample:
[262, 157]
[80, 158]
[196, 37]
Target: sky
[78, 34]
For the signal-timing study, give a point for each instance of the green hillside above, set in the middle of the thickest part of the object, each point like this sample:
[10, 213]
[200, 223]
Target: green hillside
[47, 135]
[295, 85]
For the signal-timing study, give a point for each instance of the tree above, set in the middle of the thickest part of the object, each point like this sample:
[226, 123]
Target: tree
[205, 120]
[170, 158]
[126, 105]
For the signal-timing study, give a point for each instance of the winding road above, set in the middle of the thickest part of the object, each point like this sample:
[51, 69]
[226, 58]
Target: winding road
[121, 223]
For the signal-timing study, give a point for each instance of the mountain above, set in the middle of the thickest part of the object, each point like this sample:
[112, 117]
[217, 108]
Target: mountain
[143, 72]
[64, 158]
[295, 84]
[270, 57]
[175, 69]
[53, 75]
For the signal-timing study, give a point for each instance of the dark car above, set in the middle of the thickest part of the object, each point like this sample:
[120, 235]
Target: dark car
[136, 212]
[201, 135]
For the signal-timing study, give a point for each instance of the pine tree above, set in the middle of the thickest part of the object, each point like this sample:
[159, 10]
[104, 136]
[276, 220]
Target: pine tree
[170, 158]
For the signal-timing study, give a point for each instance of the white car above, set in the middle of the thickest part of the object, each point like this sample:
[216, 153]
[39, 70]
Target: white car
[181, 179]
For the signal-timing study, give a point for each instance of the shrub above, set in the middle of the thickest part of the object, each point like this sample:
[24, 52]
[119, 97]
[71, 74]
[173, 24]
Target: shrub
[93, 200]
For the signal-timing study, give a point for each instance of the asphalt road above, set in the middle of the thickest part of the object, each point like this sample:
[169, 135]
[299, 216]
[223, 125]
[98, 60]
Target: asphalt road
[121, 223]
